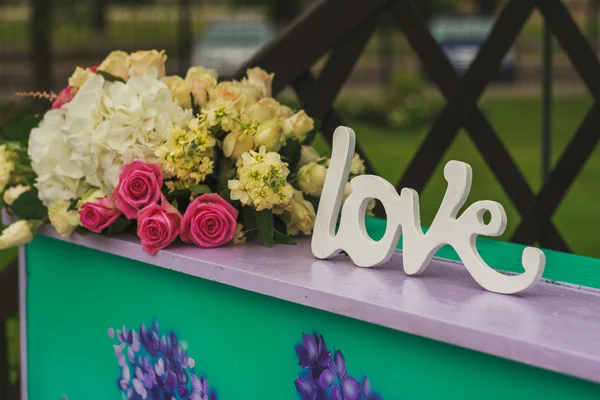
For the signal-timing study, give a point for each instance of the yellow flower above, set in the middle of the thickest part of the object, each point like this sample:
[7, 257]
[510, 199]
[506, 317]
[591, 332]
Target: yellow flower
[63, 219]
[285, 111]
[80, 76]
[140, 61]
[298, 125]
[261, 180]
[7, 165]
[187, 154]
[260, 78]
[222, 112]
[16, 234]
[300, 217]
[180, 90]
[116, 64]
[270, 135]
[202, 80]
[13, 193]
[311, 178]
[240, 236]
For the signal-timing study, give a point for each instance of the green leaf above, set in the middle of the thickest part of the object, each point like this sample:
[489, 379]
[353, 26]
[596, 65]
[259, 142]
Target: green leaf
[80, 230]
[29, 206]
[118, 226]
[109, 77]
[200, 189]
[310, 136]
[73, 205]
[175, 204]
[226, 172]
[291, 152]
[283, 239]
[249, 218]
[225, 194]
[264, 224]
[19, 127]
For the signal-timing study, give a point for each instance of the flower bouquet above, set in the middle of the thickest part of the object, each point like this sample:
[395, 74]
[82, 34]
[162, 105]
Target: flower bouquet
[126, 148]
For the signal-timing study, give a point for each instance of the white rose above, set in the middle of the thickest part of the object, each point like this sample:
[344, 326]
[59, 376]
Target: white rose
[116, 64]
[311, 178]
[308, 154]
[298, 125]
[270, 135]
[16, 234]
[141, 61]
[260, 78]
[180, 89]
[62, 219]
[13, 193]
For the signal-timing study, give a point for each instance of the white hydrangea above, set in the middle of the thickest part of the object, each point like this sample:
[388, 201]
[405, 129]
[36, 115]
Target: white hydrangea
[109, 124]
[60, 177]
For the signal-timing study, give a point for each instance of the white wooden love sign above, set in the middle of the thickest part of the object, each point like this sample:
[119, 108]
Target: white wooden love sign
[403, 217]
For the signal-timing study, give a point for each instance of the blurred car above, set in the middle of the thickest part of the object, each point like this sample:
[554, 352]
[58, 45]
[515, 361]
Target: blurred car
[462, 36]
[228, 44]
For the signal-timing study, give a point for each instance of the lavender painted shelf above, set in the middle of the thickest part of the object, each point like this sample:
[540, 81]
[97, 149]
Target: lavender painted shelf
[550, 326]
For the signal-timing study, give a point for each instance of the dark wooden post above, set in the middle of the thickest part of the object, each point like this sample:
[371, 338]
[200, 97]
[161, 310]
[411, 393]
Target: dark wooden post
[4, 367]
[41, 43]
[185, 35]
[386, 48]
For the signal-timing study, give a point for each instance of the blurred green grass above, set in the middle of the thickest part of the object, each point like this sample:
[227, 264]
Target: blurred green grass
[517, 121]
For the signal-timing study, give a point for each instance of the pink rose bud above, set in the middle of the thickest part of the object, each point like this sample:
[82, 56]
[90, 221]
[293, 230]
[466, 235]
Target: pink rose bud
[209, 221]
[94, 68]
[98, 215]
[64, 97]
[158, 226]
[139, 186]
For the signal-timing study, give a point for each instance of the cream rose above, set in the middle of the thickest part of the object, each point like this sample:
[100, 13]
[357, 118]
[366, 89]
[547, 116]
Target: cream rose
[80, 76]
[117, 64]
[300, 217]
[263, 110]
[13, 193]
[180, 89]
[298, 125]
[62, 219]
[358, 165]
[260, 78]
[201, 80]
[308, 154]
[236, 143]
[16, 234]
[311, 178]
[270, 135]
[140, 61]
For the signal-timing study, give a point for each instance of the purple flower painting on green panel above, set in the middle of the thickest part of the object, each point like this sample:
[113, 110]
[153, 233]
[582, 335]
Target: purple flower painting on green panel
[156, 367]
[325, 377]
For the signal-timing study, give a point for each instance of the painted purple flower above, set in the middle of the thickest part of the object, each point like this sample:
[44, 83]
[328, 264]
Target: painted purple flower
[155, 367]
[348, 389]
[326, 378]
[313, 355]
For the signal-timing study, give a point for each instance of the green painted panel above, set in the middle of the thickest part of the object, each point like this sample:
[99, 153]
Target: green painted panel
[571, 268]
[242, 342]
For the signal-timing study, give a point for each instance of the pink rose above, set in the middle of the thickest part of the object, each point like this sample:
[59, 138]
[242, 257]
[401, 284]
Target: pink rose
[94, 68]
[64, 97]
[99, 215]
[158, 226]
[139, 186]
[209, 221]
